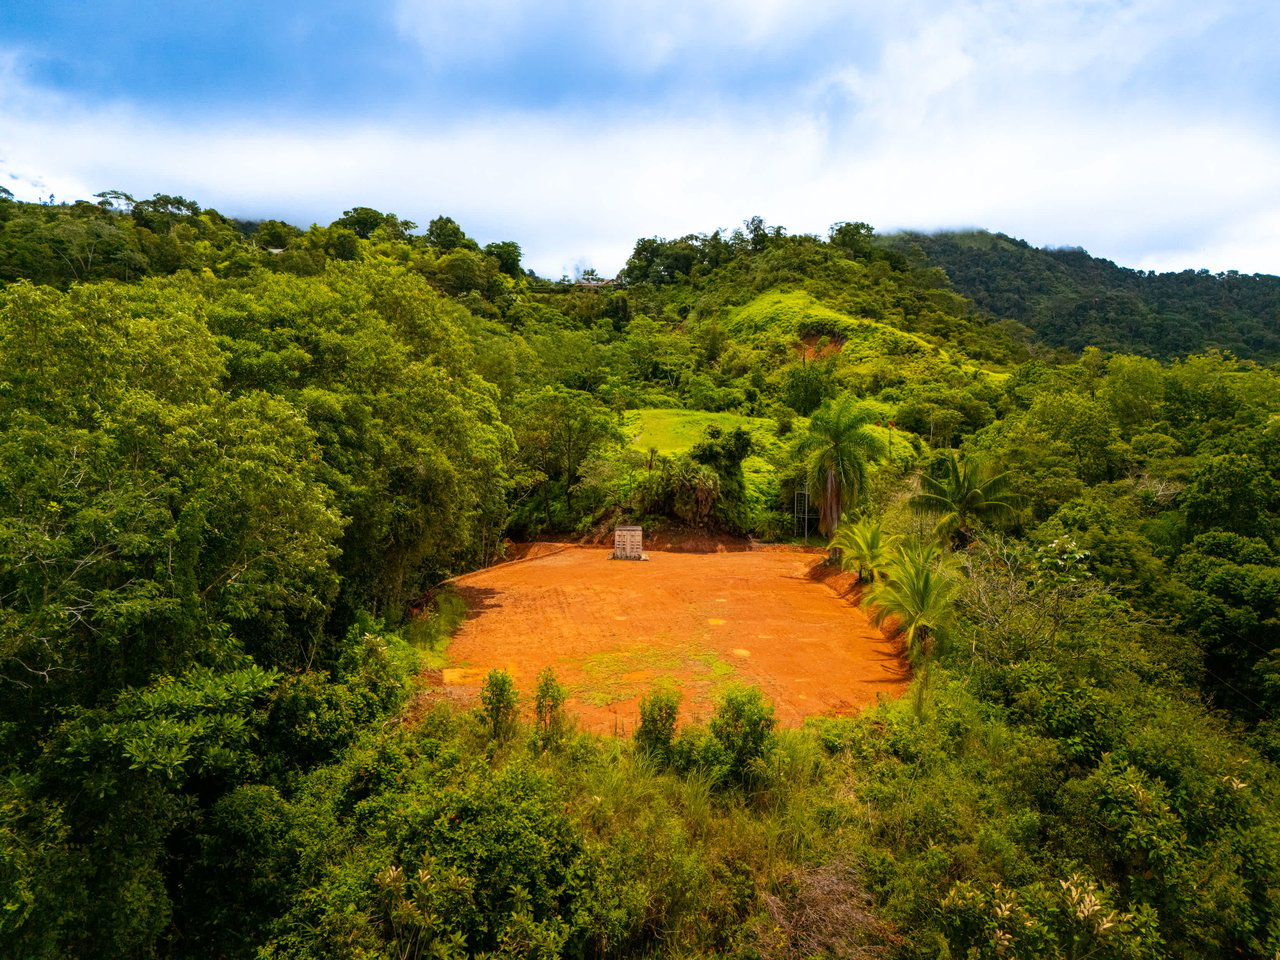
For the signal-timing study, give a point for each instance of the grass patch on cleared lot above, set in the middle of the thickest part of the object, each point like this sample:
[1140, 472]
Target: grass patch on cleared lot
[616, 676]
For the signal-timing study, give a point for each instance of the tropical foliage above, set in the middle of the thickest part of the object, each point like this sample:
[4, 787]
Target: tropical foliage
[865, 547]
[238, 462]
[916, 598]
[962, 492]
[837, 450]
[1074, 300]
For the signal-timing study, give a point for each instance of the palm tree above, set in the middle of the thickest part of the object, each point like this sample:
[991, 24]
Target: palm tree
[864, 546]
[966, 493]
[838, 447]
[918, 595]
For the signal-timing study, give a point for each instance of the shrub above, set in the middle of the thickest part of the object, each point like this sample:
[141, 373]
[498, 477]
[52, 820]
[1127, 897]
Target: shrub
[310, 720]
[658, 724]
[697, 750]
[548, 706]
[743, 724]
[498, 703]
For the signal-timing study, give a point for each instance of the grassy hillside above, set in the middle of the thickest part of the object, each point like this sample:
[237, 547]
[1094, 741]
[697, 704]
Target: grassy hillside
[676, 431]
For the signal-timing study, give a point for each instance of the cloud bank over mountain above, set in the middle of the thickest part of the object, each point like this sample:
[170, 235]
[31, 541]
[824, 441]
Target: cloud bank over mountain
[1145, 131]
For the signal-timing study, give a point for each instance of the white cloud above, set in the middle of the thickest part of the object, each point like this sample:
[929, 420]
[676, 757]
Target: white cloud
[982, 114]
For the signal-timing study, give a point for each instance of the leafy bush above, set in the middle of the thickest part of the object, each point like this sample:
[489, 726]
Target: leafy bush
[549, 709]
[443, 859]
[697, 751]
[743, 724]
[312, 716]
[657, 729]
[498, 704]
[429, 629]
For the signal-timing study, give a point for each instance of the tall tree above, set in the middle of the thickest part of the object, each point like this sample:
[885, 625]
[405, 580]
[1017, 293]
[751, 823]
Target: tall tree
[838, 448]
[724, 453]
[445, 234]
[1233, 492]
[507, 253]
[556, 430]
[361, 221]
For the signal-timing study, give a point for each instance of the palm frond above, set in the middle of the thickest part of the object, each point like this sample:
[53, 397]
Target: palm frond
[838, 448]
[964, 493]
[864, 547]
[918, 596]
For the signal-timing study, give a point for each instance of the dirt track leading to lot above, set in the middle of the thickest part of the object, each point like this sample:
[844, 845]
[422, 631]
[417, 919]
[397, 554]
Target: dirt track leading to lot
[613, 629]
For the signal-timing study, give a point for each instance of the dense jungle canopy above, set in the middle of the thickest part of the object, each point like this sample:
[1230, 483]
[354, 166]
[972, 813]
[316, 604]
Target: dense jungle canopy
[238, 460]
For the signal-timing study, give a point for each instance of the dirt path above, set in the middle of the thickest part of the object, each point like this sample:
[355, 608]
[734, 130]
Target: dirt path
[612, 629]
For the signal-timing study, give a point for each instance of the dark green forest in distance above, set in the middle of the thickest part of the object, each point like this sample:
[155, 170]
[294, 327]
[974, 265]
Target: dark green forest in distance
[239, 460]
[1070, 299]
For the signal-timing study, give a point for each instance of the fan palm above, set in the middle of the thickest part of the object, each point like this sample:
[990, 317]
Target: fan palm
[966, 493]
[864, 547]
[838, 447]
[918, 596]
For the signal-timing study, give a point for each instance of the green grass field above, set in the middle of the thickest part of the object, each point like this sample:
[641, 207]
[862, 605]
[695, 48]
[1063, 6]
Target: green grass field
[676, 431]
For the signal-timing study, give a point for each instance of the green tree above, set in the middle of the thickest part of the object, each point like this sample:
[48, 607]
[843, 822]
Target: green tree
[163, 212]
[743, 724]
[918, 597]
[964, 494]
[1231, 598]
[507, 253]
[656, 353]
[836, 450]
[461, 271]
[1134, 389]
[84, 244]
[864, 547]
[165, 546]
[276, 235]
[806, 385]
[394, 229]
[445, 234]
[1233, 492]
[499, 705]
[1082, 430]
[557, 430]
[856, 239]
[549, 708]
[412, 440]
[361, 221]
[659, 711]
[724, 453]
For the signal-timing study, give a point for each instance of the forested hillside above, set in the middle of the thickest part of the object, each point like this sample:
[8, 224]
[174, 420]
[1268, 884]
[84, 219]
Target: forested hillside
[238, 461]
[1070, 299]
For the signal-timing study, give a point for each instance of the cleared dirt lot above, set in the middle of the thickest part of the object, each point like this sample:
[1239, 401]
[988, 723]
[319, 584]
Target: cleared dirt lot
[612, 629]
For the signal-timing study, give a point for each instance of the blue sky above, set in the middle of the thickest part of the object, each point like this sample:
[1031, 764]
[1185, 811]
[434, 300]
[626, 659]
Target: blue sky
[1147, 131]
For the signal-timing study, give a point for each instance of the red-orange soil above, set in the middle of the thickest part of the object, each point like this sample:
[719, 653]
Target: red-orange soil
[813, 348]
[614, 629]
